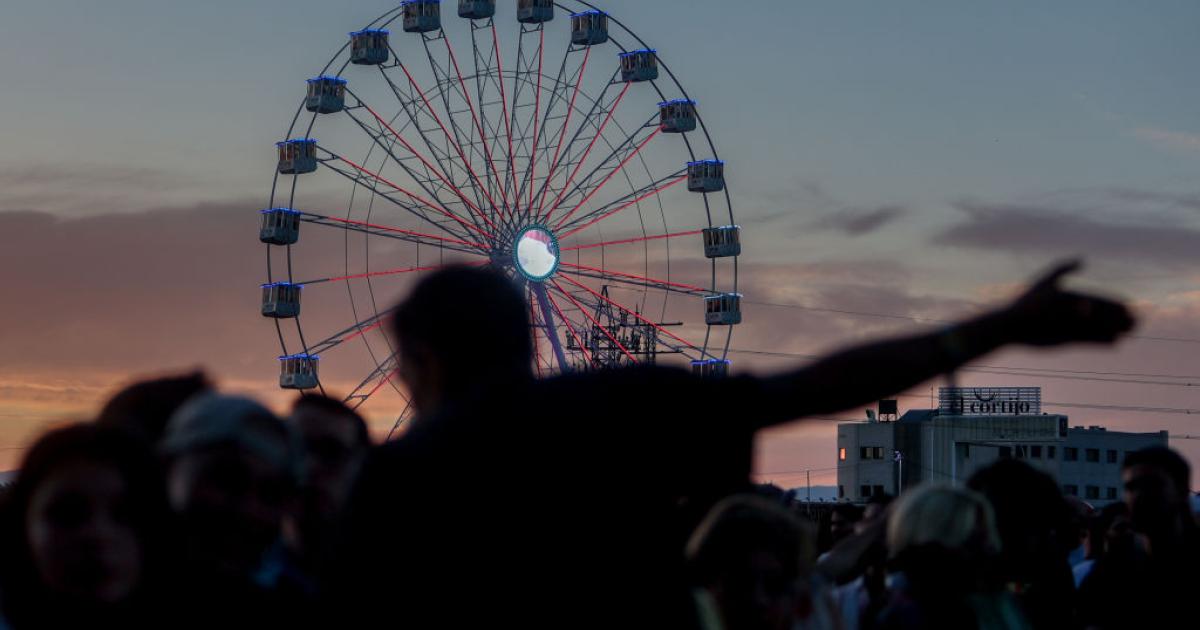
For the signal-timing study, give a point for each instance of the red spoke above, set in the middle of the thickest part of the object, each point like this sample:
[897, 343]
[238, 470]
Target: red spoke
[388, 228]
[372, 274]
[606, 272]
[446, 132]
[594, 320]
[631, 312]
[429, 166]
[384, 381]
[570, 328]
[363, 331]
[415, 197]
[639, 199]
[563, 134]
[537, 107]
[504, 105]
[575, 171]
[630, 240]
[474, 118]
[609, 177]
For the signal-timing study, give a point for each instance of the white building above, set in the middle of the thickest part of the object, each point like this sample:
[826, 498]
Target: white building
[971, 428]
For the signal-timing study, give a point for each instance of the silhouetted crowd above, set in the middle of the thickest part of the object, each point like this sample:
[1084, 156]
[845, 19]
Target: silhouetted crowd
[613, 499]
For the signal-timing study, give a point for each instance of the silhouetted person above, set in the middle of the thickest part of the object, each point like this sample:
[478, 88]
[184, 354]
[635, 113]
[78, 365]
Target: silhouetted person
[145, 407]
[232, 471]
[842, 521]
[942, 541]
[1110, 535]
[334, 441]
[1037, 532]
[753, 560]
[1155, 585]
[553, 503]
[85, 534]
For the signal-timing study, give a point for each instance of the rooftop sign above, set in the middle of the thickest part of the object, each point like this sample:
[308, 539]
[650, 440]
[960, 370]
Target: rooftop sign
[990, 401]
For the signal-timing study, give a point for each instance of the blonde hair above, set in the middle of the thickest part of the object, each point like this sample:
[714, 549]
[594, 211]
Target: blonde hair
[941, 514]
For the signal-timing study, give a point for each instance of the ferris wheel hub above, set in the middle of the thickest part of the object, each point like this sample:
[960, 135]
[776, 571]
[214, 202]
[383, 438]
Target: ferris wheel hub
[536, 253]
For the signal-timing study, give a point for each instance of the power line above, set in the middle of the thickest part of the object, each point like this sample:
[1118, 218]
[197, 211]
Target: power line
[1026, 371]
[922, 320]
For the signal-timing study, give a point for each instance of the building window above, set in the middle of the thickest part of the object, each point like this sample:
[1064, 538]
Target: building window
[871, 452]
[1093, 455]
[842, 454]
[1112, 456]
[877, 491]
[1071, 490]
[1051, 452]
[1070, 454]
[865, 492]
[1110, 494]
[1005, 452]
[1035, 451]
[1093, 492]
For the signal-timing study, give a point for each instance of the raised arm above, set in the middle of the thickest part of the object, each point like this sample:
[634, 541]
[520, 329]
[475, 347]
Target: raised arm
[1046, 315]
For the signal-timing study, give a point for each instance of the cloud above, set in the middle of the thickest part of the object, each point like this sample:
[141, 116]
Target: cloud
[861, 222]
[1168, 139]
[1053, 231]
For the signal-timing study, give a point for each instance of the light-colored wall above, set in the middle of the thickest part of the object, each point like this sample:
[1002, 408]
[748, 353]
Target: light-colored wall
[1103, 474]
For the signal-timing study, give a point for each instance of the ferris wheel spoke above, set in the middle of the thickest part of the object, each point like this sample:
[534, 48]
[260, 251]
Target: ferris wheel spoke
[371, 274]
[638, 239]
[353, 332]
[466, 163]
[595, 188]
[475, 117]
[413, 110]
[582, 160]
[425, 202]
[446, 88]
[370, 184]
[527, 66]
[538, 154]
[595, 322]
[431, 185]
[509, 174]
[633, 198]
[404, 415]
[488, 75]
[553, 163]
[473, 209]
[597, 109]
[633, 279]
[538, 128]
[384, 231]
[570, 328]
[375, 381]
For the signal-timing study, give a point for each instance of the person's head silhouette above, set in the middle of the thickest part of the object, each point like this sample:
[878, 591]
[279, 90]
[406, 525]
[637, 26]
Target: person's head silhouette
[461, 328]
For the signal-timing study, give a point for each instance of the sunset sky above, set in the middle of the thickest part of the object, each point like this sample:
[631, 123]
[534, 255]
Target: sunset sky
[903, 159]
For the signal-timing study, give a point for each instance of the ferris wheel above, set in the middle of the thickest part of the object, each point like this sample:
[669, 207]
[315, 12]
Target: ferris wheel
[570, 159]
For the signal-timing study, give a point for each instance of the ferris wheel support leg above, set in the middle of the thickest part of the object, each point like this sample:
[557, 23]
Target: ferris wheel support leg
[551, 330]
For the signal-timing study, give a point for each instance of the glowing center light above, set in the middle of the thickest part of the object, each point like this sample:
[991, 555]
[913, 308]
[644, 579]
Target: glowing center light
[537, 253]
